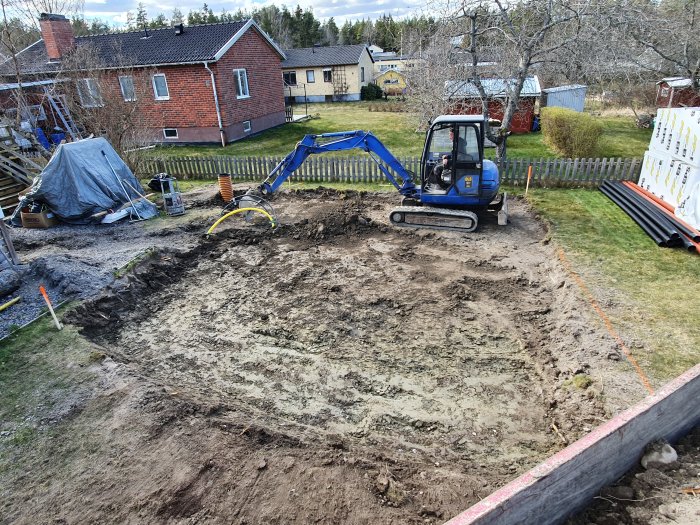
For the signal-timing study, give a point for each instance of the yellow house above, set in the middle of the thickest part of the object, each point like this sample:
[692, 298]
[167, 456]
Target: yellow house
[326, 74]
[393, 82]
[390, 61]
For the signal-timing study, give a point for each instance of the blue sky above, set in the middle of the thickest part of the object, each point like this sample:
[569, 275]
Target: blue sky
[114, 11]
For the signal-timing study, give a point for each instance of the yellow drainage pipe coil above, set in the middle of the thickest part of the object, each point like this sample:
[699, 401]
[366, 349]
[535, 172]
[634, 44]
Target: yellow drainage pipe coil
[240, 210]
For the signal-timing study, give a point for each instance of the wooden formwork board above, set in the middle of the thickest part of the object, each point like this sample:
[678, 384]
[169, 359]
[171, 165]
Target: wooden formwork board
[567, 481]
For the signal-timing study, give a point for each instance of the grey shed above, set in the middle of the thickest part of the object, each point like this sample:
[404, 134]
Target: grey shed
[570, 97]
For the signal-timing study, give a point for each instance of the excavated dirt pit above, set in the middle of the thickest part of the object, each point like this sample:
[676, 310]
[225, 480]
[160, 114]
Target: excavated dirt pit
[421, 369]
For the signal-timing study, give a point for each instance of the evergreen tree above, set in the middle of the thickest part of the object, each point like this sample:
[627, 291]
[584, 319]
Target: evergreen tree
[347, 34]
[330, 33]
[141, 16]
[159, 22]
[177, 17]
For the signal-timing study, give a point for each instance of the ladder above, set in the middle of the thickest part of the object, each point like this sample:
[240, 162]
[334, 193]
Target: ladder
[62, 114]
[340, 86]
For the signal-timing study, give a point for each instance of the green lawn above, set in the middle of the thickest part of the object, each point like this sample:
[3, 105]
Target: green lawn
[649, 291]
[398, 131]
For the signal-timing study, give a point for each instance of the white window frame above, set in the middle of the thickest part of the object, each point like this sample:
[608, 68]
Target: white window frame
[247, 126]
[165, 136]
[242, 89]
[330, 74]
[127, 98]
[155, 89]
[310, 78]
[93, 91]
[288, 73]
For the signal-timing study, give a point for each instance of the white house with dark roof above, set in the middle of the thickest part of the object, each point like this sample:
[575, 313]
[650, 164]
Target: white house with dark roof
[327, 74]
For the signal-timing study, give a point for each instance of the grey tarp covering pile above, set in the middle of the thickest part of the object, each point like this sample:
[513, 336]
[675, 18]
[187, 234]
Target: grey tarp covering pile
[78, 182]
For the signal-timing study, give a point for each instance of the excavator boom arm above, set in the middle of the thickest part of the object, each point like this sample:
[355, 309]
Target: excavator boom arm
[389, 165]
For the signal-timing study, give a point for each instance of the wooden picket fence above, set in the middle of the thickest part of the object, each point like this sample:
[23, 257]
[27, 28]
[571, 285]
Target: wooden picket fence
[545, 172]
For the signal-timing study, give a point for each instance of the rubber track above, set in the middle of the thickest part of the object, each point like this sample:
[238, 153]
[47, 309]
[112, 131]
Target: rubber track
[424, 212]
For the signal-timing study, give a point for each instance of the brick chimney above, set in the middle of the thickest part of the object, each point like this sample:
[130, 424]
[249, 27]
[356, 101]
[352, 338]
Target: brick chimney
[57, 34]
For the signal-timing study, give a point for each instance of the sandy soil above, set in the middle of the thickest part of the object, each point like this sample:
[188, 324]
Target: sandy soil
[336, 370]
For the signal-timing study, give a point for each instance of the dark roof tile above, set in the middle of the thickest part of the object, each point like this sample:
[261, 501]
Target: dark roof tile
[159, 46]
[323, 56]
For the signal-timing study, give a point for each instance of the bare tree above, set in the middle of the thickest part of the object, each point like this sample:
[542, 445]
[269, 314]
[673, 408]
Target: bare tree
[507, 40]
[662, 36]
[12, 42]
[29, 10]
[107, 102]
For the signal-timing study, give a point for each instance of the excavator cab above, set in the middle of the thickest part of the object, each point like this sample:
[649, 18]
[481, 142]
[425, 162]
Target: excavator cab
[460, 137]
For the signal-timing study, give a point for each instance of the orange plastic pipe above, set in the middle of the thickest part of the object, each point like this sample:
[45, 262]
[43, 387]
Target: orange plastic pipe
[225, 187]
[650, 195]
[654, 199]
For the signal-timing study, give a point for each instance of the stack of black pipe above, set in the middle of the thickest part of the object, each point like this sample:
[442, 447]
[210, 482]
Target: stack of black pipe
[661, 227]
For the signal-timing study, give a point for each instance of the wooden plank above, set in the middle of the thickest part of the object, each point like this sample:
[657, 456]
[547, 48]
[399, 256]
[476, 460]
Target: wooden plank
[636, 169]
[7, 240]
[567, 170]
[20, 156]
[567, 481]
[16, 171]
[543, 170]
[625, 169]
[617, 169]
[602, 172]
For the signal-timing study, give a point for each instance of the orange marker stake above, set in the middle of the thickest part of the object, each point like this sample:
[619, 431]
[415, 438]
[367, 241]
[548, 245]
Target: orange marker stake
[529, 176]
[48, 303]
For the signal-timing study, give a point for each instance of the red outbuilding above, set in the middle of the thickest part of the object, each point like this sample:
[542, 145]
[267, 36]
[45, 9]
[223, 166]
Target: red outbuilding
[676, 92]
[464, 99]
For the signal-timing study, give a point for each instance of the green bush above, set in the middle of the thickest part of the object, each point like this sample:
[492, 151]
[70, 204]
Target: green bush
[371, 92]
[570, 133]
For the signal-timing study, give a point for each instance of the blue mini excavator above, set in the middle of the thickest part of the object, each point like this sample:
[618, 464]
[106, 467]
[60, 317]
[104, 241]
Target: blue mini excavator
[456, 181]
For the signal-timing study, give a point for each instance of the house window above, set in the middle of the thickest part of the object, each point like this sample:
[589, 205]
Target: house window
[241, 79]
[160, 87]
[290, 78]
[127, 85]
[362, 74]
[327, 75]
[246, 126]
[170, 133]
[664, 92]
[310, 76]
[89, 93]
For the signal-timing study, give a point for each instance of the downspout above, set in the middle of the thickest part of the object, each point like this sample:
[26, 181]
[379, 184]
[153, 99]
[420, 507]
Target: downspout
[216, 104]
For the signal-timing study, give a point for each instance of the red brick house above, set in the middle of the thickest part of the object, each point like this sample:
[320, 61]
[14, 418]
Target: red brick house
[676, 92]
[464, 99]
[203, 84]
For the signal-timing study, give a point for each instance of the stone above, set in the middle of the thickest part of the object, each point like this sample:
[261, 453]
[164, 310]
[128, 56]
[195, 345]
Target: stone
[658, 454]
[381, 484]
[10, 281]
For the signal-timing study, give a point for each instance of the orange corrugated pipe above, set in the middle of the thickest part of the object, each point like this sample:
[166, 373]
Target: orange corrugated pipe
[663, 206]
[225, 187]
